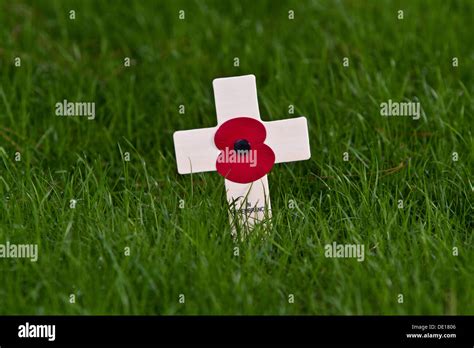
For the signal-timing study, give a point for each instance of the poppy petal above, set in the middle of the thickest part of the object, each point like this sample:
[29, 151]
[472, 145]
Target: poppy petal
[238, 128]
[246, 169]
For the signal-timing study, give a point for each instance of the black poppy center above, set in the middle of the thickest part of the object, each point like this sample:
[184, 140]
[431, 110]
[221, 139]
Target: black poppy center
[241, 145]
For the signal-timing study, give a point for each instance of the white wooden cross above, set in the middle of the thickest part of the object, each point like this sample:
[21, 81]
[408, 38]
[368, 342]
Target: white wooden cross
[196, 151]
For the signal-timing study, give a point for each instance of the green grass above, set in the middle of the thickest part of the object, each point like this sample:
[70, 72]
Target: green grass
[190, 251]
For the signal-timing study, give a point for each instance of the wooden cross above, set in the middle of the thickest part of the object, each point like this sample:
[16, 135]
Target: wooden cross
[196, 151]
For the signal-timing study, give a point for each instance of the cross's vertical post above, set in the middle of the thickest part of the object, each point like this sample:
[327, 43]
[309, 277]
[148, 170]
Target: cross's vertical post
[236, 97]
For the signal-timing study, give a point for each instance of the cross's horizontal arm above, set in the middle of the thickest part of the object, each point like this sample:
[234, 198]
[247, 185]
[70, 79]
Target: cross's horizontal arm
[195, 150]
[288, 139]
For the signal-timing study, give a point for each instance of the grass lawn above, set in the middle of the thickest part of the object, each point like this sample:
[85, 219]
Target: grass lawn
[404, 191]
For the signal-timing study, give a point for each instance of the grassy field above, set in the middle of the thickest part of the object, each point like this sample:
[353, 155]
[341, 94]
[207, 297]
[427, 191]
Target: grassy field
[135, 204]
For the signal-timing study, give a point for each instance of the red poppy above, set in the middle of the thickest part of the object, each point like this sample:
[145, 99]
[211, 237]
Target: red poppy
[244, 157]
